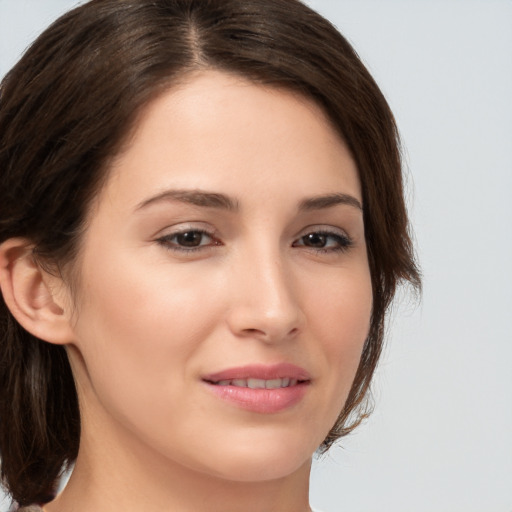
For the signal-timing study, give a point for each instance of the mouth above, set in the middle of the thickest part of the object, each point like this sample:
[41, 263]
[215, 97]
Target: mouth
[253, 383]
[260, 388]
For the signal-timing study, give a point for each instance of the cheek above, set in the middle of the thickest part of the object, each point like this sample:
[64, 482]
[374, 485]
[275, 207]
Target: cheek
[140, 338]
[144, 305]
[137, 331]
[340, 320]
[341, 306]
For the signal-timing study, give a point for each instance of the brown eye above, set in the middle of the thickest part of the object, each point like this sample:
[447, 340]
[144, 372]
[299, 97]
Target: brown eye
[318, 240]
[324, 241]
[190, 238]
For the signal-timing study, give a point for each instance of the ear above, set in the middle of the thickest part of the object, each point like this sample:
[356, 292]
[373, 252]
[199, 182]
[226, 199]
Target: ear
[35, 298]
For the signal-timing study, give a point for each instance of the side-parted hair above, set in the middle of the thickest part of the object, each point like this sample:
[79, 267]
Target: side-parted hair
[67, 107]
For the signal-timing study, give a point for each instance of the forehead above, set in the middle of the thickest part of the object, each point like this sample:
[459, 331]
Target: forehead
[221, 132]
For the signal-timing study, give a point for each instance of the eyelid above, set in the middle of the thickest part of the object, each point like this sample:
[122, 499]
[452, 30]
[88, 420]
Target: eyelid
[165, 239]
[323, 228]
[345, 242]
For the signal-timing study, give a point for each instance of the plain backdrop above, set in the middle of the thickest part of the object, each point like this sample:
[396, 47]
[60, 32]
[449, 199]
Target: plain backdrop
[440, 439]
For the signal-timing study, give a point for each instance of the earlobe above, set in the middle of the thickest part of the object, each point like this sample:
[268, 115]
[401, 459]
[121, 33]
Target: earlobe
[30, 293]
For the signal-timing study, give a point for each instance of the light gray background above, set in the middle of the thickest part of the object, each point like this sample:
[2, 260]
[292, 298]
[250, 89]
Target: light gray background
[440, 439]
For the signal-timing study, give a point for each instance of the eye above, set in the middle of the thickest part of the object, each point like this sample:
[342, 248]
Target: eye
[188, 240]
[324, 241]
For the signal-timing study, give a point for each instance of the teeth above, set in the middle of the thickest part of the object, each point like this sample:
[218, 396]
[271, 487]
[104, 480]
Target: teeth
[274, 383]
[256, 383]
[259, 383]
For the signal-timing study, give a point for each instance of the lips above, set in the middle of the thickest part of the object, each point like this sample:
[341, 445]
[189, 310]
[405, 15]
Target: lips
[263, 389]
[262, 372]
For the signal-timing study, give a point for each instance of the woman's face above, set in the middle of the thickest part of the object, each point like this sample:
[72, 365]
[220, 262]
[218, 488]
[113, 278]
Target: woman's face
[226, 253]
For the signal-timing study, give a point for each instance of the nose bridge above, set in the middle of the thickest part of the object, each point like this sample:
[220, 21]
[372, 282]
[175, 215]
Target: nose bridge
[265, 304]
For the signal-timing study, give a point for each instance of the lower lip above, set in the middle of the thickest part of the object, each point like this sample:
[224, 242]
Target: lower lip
[263, 401]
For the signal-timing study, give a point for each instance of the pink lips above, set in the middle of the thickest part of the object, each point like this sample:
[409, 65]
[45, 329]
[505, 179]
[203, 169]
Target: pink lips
[284, 386]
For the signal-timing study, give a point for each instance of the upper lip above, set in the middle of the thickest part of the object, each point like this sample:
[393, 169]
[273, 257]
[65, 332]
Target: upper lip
[260, 371]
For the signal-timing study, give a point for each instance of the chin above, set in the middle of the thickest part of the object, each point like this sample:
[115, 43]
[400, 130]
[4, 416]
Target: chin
[263, 459]
[276, 468]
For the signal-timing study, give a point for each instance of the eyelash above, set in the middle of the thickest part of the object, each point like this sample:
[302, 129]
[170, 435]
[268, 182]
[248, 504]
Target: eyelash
[342, 241]
[167, 241]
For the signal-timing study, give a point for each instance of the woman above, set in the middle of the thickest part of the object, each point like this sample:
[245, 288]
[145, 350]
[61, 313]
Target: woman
[202, 226]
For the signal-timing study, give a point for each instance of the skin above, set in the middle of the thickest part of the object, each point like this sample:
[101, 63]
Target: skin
[149, 318]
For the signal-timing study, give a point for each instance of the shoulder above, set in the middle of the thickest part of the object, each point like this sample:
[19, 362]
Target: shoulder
[30, 508]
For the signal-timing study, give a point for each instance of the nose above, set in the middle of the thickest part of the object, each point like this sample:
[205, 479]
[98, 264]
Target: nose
[264, 304]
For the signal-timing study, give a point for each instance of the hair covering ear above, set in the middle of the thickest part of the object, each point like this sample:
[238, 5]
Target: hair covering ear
[31, 295]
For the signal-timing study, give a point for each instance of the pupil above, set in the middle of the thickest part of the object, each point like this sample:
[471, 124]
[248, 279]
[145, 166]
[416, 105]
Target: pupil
[190, 239]
[315, 240]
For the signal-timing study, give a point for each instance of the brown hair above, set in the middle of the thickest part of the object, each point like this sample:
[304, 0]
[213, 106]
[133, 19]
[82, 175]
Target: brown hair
[66, 107]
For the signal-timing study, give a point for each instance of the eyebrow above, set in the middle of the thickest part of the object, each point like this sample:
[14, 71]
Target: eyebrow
[194, 197]
[207, 199]
[328, 201]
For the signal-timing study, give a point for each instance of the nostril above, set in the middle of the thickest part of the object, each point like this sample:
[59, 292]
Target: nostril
[253, 331]
[270, 335]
